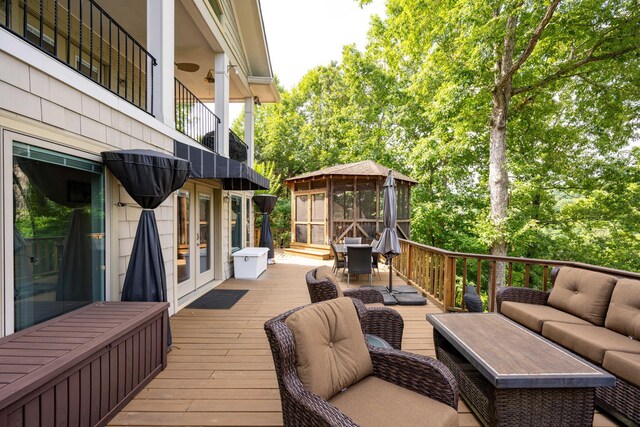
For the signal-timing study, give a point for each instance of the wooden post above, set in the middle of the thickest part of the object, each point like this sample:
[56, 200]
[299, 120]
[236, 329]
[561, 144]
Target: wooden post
[449, 282]
[409, 275]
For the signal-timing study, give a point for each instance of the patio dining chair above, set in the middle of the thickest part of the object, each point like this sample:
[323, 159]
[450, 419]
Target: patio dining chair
[383, 322]
[359, 261]
[338, 259]
[328, 375]
[353, 240]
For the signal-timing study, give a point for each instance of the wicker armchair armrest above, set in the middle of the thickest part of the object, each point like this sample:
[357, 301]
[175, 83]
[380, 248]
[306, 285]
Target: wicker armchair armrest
[385, 323]
[422, 374]
[526, 295]
[366, 295]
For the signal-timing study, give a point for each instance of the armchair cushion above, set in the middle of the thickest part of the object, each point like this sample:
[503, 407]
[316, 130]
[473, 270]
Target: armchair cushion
[533, 316]
[331, 352]
[325, 273]
[624, 310]
[583, 293]
[373, 401]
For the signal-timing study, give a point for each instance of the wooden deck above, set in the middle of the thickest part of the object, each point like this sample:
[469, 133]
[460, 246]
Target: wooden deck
[220, 369]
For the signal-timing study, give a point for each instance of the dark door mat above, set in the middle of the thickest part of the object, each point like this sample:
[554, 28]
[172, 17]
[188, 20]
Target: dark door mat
[219, 299]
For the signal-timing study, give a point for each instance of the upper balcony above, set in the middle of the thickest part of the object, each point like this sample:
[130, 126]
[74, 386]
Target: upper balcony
[82, 35]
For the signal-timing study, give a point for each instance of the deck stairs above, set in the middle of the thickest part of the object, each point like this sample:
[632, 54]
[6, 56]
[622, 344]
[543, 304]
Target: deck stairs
[305, 251]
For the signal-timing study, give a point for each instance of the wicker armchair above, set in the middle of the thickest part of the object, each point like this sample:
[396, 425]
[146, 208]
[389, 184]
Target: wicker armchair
[383, 322]
[300, 407]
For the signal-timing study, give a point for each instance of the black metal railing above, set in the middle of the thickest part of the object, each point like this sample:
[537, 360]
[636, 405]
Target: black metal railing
[83, 36]
[194, 119]
[238, 150]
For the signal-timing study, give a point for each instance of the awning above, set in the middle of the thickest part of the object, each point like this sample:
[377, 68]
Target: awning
[207, 164]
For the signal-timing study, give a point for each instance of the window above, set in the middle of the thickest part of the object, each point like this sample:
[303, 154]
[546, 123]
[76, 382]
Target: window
[236, 223]
[247, 224]
[58, 234]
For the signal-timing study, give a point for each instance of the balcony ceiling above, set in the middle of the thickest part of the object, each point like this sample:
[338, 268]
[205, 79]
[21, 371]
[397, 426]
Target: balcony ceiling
[191, 46]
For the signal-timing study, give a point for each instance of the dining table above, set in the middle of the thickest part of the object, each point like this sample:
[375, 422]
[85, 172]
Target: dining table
[341, 248]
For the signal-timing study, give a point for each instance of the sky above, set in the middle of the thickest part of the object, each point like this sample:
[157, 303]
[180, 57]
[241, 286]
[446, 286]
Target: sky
[302, 34]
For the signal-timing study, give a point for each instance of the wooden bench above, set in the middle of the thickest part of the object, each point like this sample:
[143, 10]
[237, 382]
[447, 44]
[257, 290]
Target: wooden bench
[83, 367]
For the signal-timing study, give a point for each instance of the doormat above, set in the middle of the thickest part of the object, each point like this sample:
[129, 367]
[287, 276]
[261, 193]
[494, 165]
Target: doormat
[219, 299]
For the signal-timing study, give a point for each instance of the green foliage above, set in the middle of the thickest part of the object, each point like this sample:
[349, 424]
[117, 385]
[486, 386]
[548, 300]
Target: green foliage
[418, 99]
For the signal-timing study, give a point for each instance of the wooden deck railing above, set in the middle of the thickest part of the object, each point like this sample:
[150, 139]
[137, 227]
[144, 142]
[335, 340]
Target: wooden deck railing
[444, 274]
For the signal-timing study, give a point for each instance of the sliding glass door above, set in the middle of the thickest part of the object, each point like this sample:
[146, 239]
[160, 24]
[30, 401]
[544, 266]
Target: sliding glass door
[58, 233]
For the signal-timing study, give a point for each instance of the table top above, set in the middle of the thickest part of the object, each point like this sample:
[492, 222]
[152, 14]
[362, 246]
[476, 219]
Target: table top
[342, 248]
[511, 356]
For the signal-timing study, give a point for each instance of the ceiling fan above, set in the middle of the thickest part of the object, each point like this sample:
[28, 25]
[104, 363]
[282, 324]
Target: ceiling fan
[188, 67]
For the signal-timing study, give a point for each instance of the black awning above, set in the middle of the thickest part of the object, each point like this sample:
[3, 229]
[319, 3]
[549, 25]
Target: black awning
[233, 174]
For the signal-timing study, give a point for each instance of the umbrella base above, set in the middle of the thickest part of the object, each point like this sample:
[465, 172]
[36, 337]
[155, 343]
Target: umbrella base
[402, 295]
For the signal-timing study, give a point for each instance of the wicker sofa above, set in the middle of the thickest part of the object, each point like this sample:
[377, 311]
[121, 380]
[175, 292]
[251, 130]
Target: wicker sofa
[383, 322]
[596, 316]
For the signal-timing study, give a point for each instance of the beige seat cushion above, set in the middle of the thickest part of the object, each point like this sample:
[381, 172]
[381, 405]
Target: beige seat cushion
[623, 365]
[331, 352]
[583, 293]
[589, 341]
[325, 273]
[534, 315]
[375, 402]
[624, 311]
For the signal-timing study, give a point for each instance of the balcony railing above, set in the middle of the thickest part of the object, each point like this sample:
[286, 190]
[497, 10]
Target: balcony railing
[194, 119]
[444, 274]
[80, 34]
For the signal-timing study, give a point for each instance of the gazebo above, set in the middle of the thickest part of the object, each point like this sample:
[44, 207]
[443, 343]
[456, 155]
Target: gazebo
[344, 201]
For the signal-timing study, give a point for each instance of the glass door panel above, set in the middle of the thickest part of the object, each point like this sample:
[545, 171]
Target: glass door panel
[184, 253]
[204, 231]
[58, 234]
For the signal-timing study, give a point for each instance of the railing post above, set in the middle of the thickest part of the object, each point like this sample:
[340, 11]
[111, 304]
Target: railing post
[408, 274]
[449, 282]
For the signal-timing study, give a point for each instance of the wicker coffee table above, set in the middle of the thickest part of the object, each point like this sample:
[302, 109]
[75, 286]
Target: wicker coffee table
[511, 376]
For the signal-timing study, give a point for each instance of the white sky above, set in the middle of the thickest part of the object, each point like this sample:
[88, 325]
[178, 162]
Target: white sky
[303, 34]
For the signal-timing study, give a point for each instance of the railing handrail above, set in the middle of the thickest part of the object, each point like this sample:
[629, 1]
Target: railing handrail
[537, 261]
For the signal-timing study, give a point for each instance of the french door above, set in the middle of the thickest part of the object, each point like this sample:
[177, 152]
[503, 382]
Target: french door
[194, 257]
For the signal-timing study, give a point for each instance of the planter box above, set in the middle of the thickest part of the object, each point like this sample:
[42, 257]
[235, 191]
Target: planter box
[249, 263]
[83, 367]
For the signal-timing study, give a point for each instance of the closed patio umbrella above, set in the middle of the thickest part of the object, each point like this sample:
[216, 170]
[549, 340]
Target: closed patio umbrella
[149, 177]
[388, 245]
[266, 203]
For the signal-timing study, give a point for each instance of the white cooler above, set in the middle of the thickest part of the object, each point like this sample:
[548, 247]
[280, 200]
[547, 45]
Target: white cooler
[249, 263]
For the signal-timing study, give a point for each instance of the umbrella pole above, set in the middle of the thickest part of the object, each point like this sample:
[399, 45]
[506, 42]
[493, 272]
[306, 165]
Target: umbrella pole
[390, 275]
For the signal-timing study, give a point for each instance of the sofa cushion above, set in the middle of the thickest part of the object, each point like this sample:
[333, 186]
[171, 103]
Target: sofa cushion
[623, 365]
[331, 352]
[375, 402]
[325, 273]
[589, 341]
[534, 315]
[624, 311]
[583, 293]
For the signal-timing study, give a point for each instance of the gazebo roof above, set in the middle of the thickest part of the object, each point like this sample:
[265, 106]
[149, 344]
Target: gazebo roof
[364, 168]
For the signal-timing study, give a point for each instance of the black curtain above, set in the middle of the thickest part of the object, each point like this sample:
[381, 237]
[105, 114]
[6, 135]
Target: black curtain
[266, 203]
[71, 188]
[149, 177]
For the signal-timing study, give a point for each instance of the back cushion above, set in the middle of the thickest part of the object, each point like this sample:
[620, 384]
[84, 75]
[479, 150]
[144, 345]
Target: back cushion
[325, 273]
[331, 353]
[583, 293]
[624, 311]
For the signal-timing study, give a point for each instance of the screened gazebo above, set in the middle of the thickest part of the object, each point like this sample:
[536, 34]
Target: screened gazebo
[344, 201]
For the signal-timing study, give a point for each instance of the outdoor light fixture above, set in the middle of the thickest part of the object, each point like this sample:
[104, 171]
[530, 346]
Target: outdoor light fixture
[256, 100]
[230, 66]
[210, 78]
